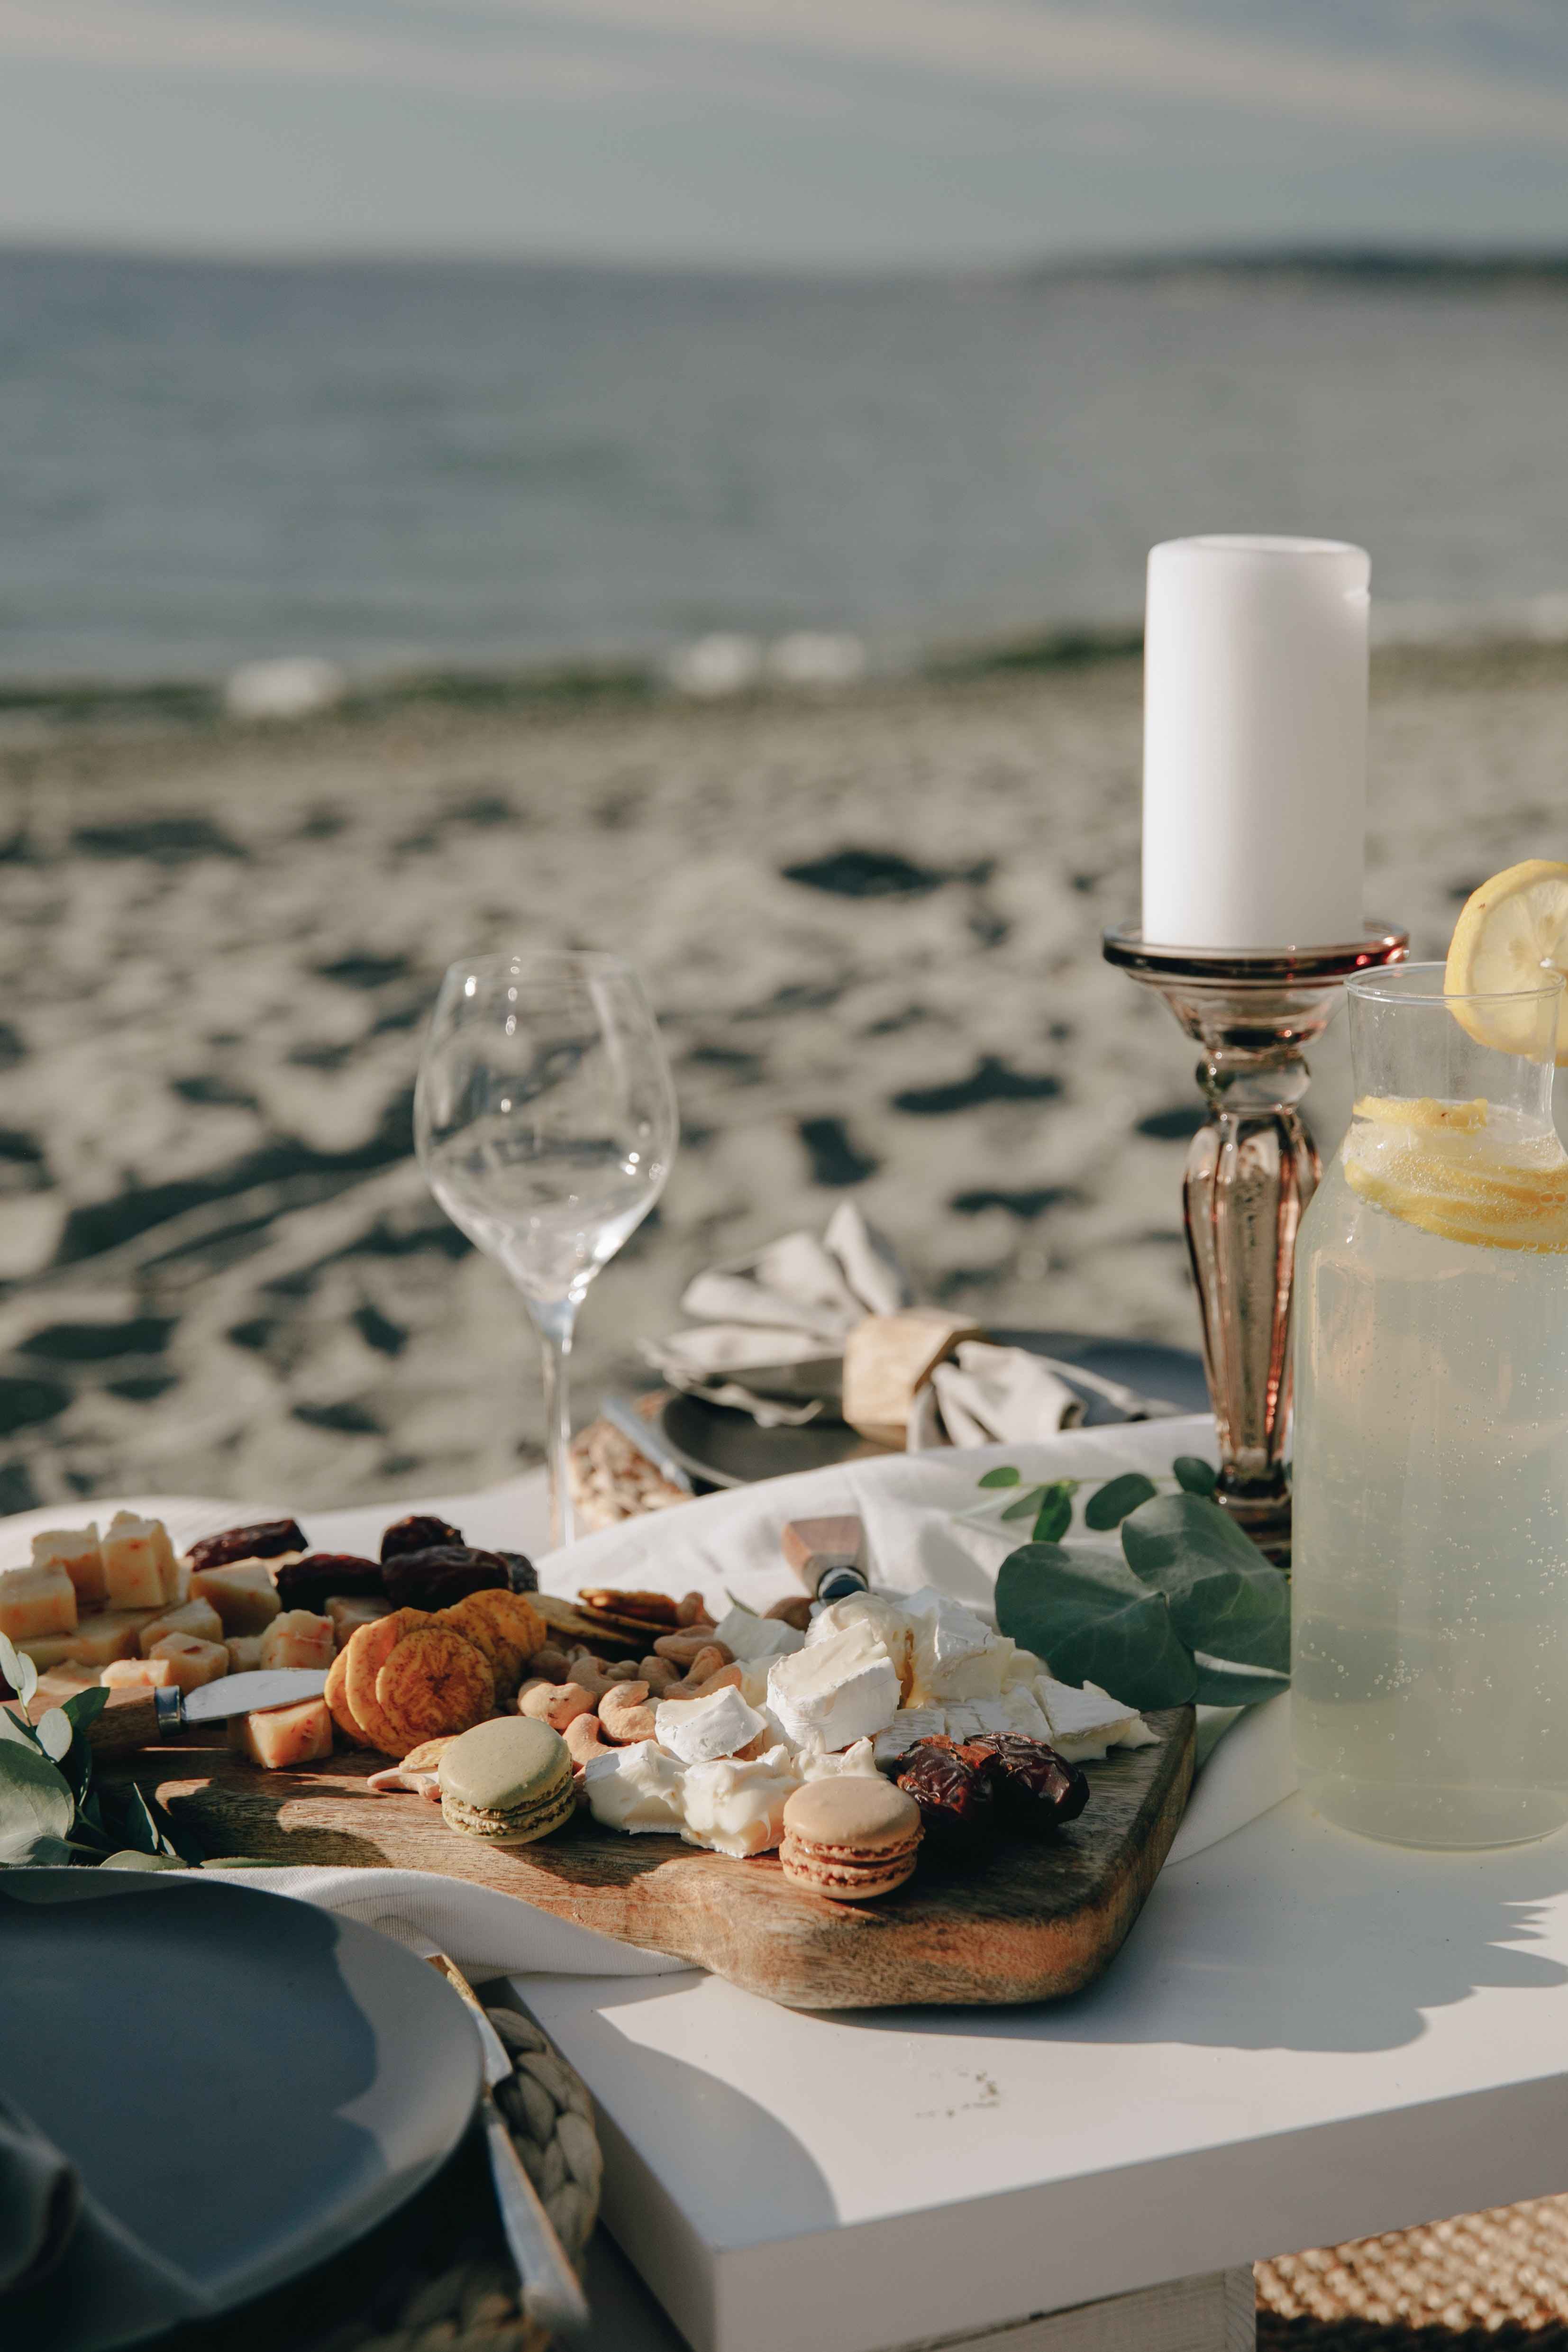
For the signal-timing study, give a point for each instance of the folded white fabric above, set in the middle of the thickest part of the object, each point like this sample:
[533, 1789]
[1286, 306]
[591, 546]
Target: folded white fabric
[770, 1328]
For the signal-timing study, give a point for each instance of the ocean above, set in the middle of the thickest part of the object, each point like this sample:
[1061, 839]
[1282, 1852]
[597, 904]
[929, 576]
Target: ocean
[480, 465]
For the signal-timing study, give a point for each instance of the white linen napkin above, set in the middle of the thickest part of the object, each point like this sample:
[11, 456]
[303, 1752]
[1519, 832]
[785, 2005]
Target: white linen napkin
[770, 1332]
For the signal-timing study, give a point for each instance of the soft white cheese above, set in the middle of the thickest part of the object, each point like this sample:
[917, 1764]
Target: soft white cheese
[1025, 1715]
[700, 1730]
[1085, 1723]
[837, 1691]
[747, 1636]
[955, 1655]
[857, 1762]
[738, 1807]
[909, 1726]
[887, 1619]
[1136, 1733]
[635, 1789]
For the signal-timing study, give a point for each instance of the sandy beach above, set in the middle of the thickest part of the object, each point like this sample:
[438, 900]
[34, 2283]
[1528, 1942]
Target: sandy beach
[869, 921]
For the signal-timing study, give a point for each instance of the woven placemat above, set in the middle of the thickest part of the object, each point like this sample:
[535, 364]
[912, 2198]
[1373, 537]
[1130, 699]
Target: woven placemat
[1496, 2278]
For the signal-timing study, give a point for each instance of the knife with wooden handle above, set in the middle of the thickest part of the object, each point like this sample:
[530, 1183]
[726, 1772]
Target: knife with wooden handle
[128, 1724]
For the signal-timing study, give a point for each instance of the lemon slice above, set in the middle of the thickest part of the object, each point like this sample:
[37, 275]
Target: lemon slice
[1510, 930]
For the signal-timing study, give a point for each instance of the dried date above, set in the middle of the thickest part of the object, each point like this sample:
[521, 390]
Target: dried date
[521, 1568]
[320, 1576]
[265, 1541]
[1036, 1789]
[441, 1574]
[955, 1795]
[418, 1533]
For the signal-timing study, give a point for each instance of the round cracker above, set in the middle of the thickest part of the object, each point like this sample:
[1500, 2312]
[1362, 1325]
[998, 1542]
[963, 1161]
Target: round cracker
[477, 1625]
[514, 1617]
[337, 1698]
[434, 1681]
[370, 1646]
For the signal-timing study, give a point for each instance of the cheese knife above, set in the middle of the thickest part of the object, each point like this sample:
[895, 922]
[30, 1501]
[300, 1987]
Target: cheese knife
[143, 1721]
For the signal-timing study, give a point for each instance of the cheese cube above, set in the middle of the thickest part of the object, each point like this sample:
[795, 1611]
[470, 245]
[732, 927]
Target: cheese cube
[737, 1808]
[36, 1600]
[700, 1730]
[197, 1617]
[907, 1730]
[956, 1655]
[748, 1637]
[892, 1624]
[243, 1653]
[194, 1662]
[49, 1650]
[111, 1634]
[350, 1611]
[133, 1674]
[1025, 1715]
[139, 1566]
[858, 1762]
[835, 1691]
[636, 1788]
[278, 1737]
[297, 1638]
[243, 1593]
[77, 1551]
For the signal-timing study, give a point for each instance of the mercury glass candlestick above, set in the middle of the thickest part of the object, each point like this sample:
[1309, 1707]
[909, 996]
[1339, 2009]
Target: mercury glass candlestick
[1252, 1167]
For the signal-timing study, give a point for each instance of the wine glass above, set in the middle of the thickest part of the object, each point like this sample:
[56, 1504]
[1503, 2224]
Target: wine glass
[545, 1123]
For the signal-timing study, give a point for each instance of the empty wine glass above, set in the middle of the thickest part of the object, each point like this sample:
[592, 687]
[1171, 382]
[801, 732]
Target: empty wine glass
[545, 1123]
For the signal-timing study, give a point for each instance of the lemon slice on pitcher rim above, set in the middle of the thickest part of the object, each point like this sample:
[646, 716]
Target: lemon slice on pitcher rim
[1510, 932]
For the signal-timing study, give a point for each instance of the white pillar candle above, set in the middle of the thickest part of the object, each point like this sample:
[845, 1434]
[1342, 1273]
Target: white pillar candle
[1255, 689]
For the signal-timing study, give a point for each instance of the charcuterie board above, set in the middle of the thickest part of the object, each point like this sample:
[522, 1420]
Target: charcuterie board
[1029, 1922]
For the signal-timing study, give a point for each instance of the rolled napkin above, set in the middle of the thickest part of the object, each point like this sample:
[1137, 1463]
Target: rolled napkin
[811, 1323]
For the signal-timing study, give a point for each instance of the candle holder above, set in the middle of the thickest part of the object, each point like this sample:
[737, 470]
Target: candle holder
[1252, 1167]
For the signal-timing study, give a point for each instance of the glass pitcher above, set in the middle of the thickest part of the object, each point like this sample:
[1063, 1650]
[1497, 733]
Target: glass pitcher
[1430, 1537]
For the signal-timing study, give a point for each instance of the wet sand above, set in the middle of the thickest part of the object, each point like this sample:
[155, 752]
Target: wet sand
[871, 923]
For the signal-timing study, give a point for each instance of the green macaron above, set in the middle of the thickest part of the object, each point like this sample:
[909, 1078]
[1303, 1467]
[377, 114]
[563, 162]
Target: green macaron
[509, 1782]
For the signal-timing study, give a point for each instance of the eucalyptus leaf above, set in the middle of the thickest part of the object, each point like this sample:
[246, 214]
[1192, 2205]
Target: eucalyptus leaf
[149, 1827]
[10, 1660]
[1225, 1597]
[1025, 1505]
[54, 1730]
[84, 1707]
[44, 1852]
[1220, 1686]
[35, 1799]
[25, 1678]
[1056, 1511]
[1193, 1475]
[132, 1858]
[1095, 1621]
[1003, 1475]
[1109, 1505]
[17, 1729]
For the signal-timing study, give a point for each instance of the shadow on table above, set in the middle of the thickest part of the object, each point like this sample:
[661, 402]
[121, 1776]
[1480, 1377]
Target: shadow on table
[1293, 1935]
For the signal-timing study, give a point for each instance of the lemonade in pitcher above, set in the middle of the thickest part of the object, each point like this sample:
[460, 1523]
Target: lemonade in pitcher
[1430, 1541]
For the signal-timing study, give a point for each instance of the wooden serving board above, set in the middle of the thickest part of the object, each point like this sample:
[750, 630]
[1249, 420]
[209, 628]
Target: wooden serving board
[1030, 1922]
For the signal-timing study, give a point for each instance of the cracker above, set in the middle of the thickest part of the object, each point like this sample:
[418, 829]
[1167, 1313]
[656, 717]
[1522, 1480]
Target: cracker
[434, 1681]
[583, 1630]
[506, 1660]
[514, 1616]
[658, 1609]
[370, 1646]
[336, 1694]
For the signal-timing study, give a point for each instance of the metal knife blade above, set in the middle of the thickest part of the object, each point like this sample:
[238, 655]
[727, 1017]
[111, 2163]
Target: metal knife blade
[237, 1694]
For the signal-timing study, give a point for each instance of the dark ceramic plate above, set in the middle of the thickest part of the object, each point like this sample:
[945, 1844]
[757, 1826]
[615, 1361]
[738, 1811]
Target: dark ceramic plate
[245, 2084]
[725, 1448]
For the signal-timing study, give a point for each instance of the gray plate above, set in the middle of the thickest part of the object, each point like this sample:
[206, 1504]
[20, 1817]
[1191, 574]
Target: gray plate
[244, 2083]
[726, 1448]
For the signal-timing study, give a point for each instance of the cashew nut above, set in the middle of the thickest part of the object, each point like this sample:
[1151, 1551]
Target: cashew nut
[687, 1647]
[626, 1714]
[582, 1737]
[692, 1610]
[796, 1612]
[551, 1663]
[709, 1662]
[658, 1673]
[556, 1704]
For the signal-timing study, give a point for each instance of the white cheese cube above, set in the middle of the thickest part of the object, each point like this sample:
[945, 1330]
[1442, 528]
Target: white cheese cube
[49, 1650]
[350, 1611]
[955, 1655]
[835, 1691]
[1084, 1714]
[962, 1722]
[133, 1674]
[193, 1661]
[1025, 1716]
[243, 1653]
[243, 1592]
[111, 1633]
[857, 1762]
[36, 1601]
[1134, 1733]
[139, 1566]
[992, 1713]
[907, 1730]
[277, 1738]
[636, 1788]
[700, 1730]
[299, 1638]
[748, 1636]
[736, 1808]
[76, 1550]
[892, 1624]
[197, 1617]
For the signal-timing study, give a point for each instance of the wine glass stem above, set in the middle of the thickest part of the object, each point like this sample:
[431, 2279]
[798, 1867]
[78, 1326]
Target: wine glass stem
[554, 1325]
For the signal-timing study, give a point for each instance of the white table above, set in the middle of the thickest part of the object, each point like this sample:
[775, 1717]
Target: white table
[1308, 2038]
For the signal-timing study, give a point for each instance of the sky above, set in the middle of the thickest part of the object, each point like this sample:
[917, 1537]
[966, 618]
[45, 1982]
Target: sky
[783, 133]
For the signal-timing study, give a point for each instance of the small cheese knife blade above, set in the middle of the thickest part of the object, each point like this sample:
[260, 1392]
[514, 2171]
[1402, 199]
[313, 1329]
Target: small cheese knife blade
[143, 1721]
